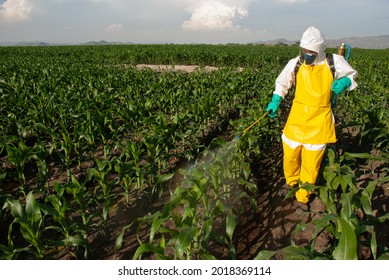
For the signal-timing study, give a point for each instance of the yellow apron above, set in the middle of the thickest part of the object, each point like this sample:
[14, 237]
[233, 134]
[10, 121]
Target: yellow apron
[310, 120]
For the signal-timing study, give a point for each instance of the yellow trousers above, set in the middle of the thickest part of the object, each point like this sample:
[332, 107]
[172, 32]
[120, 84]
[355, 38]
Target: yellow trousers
[302, 162]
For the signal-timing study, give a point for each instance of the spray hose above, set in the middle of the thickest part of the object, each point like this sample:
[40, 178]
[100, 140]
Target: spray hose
[254, 123]
[348, 51]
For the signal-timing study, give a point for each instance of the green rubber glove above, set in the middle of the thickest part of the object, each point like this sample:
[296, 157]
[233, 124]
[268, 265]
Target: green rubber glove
[273, 105]
[339, 86]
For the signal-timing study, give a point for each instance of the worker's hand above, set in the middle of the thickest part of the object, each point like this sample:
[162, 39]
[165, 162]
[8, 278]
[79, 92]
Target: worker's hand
[339, 86]
[273, 105]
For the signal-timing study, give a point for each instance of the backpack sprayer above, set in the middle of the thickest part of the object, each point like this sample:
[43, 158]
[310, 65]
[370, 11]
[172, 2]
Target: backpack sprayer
[341, 51]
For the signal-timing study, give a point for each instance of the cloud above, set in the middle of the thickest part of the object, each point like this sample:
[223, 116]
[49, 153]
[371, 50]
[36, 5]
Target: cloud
[215, 15]
[113, 28]
[15, 11]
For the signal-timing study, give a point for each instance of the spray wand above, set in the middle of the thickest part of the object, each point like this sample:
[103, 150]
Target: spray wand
[249, 127]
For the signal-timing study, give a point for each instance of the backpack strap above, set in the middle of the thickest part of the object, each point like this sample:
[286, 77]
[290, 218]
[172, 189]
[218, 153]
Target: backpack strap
[296, 68]
[330, 62]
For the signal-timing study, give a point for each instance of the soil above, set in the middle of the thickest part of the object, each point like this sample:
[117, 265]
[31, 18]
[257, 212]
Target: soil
[182, 68]
[179, 68]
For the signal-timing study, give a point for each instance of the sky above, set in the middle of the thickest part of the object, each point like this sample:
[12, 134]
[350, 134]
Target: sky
[188, 21]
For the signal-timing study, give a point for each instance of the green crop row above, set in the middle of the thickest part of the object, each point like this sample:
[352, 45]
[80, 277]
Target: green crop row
[203, 55]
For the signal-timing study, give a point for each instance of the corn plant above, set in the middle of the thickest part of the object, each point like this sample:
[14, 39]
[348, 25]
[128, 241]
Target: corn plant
[82, 199]
[126, 178]
[101, 175]
[57, 206]
[19, 155]
[29, 218]
[40, 157]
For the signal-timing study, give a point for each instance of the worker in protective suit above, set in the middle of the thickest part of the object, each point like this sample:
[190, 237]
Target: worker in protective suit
[311, 124]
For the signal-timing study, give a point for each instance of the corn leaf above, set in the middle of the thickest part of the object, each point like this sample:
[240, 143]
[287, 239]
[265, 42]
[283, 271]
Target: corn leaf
[366, 198]
[230, 225]
[347, 246]
[357, 155]
[164, 178]
[185, 238]
[33, 212]
[265, 255]
[347, 206]
[373, 245]
[147, 248]
[16, 208]
[295, 253]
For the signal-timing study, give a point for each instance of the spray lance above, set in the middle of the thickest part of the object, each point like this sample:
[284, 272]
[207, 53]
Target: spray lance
[344, 50]
[249, 127]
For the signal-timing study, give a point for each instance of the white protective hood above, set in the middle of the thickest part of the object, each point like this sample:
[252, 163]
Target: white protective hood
[313, 40]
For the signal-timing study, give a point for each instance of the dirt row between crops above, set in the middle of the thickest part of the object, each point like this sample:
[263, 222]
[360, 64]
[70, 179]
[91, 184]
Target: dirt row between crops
[179, 68]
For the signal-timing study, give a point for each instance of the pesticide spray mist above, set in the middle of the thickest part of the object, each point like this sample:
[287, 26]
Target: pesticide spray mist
[219, 176]
[229, 156]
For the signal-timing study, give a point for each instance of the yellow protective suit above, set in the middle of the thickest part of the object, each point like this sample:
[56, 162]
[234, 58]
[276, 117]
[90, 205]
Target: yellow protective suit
[302, 163]
[310, 122]
[310, 125]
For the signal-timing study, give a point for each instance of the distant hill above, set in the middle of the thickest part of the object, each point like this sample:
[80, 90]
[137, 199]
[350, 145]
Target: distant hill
[372, 42]
[38, 43]
[103, 43]
[24, 43]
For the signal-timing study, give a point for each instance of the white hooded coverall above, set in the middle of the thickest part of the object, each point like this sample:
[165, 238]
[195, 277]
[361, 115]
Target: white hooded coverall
[310, 125]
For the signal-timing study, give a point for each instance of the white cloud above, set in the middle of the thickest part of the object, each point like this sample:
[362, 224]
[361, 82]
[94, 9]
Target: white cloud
[15, 11]
[215, 15]
[113, 28]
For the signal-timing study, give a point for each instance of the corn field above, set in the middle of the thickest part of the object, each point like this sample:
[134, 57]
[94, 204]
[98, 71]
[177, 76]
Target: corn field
[100, 159]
